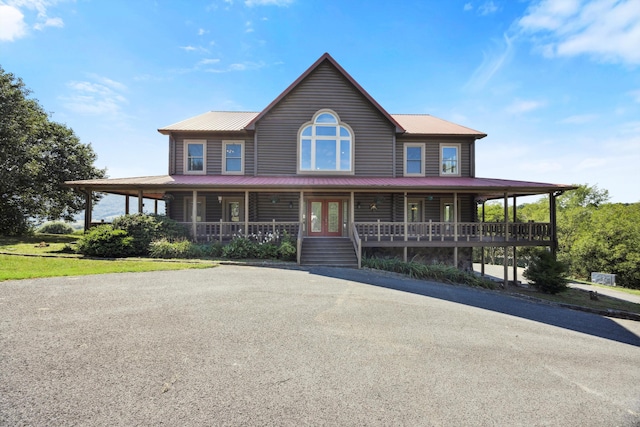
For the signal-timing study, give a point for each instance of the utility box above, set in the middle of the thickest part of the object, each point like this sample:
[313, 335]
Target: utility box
[603, 278]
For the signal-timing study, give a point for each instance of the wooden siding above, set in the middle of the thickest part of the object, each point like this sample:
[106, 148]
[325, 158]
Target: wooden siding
[324, 88]
[214, 151]
[280, 211]
[432, 155]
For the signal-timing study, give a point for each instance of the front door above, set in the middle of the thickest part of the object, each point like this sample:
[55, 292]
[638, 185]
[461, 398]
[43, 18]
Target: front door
[324, 217]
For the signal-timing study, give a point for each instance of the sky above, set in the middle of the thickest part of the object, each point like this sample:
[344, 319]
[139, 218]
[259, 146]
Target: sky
[554, 83]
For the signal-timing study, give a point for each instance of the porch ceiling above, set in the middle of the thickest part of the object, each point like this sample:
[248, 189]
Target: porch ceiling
[487, 188]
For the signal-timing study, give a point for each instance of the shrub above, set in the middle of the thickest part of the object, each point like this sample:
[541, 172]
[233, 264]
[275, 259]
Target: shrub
[144, 229]
[437, 272]
[214, 250]
[55, 228]
[164, 248]
[287, 251]
[266, 250]
[105, 241]
[239, 247]
[546, 273]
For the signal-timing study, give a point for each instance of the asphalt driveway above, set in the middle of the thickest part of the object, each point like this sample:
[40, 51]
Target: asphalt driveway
[260, 346]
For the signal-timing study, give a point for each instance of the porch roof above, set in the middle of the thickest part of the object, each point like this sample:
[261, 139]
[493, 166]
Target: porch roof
[488, 188]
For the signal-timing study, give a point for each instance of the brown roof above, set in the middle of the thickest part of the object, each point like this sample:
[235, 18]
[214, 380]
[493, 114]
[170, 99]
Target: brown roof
[487, 187]
[424, 124]
[221, 121]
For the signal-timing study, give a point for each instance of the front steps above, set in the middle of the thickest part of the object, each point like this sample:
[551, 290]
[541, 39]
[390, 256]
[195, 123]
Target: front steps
[328, 251]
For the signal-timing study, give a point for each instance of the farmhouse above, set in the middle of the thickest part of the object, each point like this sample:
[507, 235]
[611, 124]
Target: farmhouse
[330, 166]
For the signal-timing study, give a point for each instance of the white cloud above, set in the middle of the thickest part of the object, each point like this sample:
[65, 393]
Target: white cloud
[635, 94]
[280, 3]
[468, 7]
[209, 61]
[248, 27]
[492, 63]
[12, 25]
[239, 66]
[102, 96]
[202, 32]
[579, 119]
[606, 30]
[487, 8]
[524, 106]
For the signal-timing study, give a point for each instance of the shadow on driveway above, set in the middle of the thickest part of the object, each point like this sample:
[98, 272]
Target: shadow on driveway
[585, 323]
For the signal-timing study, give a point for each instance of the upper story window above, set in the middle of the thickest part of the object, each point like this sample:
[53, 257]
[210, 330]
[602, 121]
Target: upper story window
[413, 159]
[233, 157]
[450, 159]
[325, 145]
[195, 154]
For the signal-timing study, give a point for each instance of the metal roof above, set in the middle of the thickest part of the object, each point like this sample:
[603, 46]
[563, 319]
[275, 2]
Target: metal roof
[213, 121]
[425, 124]
[486, 187]
[231, 121]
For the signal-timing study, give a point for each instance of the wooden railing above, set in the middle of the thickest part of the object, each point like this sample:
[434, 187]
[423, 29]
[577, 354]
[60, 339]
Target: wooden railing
[357, 244]
[461, 231]
[299, 245]
[221, 231]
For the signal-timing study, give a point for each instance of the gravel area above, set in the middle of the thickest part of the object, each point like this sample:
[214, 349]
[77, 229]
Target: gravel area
[238, 345]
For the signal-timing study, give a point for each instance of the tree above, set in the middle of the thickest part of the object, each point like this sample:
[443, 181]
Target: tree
[36, 157]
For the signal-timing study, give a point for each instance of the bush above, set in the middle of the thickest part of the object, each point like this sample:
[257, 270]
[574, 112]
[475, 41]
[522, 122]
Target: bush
[144, 229]
[437, 272]
[55, 228]
[546, 273]
[287, 251]
[164, 248]
[238, 248]
[105, 241]
[214, 250]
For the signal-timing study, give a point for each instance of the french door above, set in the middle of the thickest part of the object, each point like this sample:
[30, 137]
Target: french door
[324, 217]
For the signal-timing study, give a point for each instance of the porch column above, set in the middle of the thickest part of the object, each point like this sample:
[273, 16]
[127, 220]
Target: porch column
[194, 214]
[506, 239]
[553, 219]
[126, 204]
[515, 259]
[455, 229]
[155, 206]
[246, 213]
[406, 221]
[88, 207]
[482, 247]
[352, 213]
[140, 201]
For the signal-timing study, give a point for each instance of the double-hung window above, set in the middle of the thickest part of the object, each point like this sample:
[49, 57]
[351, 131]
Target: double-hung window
[233, 157]
[413, 159]
[325, 145]
[450, 159]
[195, 156]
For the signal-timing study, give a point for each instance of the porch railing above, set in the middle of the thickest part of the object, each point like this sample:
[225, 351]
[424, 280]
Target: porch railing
[222, 231]
[357, 244]
[461, 231]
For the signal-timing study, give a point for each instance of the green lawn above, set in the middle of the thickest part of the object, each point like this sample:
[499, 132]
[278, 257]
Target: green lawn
[581, 298]
[28, 267]
[53, 263]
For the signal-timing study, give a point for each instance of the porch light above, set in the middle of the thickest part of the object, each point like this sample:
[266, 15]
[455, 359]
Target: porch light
[275, 199]
[219, 199]
[290, 205]
[358, 205]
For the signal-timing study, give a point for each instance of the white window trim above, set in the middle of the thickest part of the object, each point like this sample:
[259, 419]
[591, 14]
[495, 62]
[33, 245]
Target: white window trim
[314, 138]
[224, 157]
[186, 156]
[459, 157]
[422, 159]
[420, 203]
[188, 201]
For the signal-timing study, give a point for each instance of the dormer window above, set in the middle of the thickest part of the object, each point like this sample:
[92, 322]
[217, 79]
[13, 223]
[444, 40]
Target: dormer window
[325, 145]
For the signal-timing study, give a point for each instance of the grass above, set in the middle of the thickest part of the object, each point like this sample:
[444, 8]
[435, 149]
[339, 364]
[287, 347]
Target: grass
[617, 288]
[53, 263]
[581, 298]
[27, 267]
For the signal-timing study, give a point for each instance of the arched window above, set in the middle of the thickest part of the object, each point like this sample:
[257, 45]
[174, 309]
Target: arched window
[325, 144]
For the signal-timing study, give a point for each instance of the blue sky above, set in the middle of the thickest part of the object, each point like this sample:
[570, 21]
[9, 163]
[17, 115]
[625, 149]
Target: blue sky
[555, 84]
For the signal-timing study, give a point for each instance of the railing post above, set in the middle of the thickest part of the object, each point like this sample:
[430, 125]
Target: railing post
[430, 230]
[274, 226]
[378, 229]
[220, 230]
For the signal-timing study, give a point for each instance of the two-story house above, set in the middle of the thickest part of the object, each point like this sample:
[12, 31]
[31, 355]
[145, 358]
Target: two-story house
[329, 165]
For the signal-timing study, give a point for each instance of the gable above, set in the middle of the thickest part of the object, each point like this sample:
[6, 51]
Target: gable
[325, 87]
